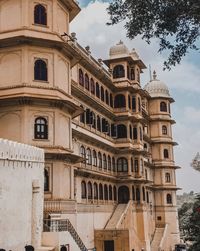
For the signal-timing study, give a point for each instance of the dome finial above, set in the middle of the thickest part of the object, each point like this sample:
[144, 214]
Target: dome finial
[154, 75]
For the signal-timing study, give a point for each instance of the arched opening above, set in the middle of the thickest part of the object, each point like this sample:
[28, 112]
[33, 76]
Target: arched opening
[94, 154]
[46, 180]
[118, 71]
[109, 163]
[100, 191]
[166, 153]
[102, 94]
[89, 157]
[92, 86]
[83, 190]
[163, 106]
[121, 131]
[41, 128]
[40, 15]
[98, 123]
[95, 191]
[107, 98]
[115, 193]
[105, 192]
[135, 134]
[100, 160]
[120, 101]
[111, 100]
[169, 199]
[89, 190]
[104, 162]
[132, 74]
[123, 195]
[122, 165]
[97, 90]
[87, 84]
[40, 70]
[164, 130]
[133, 193]
[110, 193]
[167, 178]
[82, 115]
[138, 194]
[82, 152]
[81, 77]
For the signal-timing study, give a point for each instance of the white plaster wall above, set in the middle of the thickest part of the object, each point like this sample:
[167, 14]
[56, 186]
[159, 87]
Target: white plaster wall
[21, 210]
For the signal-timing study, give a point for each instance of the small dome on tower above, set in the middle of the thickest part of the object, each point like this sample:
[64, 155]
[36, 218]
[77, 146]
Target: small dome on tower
[156, 88]
[119, 49]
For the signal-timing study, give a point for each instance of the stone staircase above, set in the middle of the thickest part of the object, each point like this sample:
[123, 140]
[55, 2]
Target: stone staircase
[158, 235]
[116, 216]
[64, 225]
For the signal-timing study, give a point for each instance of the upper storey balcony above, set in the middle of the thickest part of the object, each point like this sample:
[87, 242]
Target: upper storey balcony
[125, 66]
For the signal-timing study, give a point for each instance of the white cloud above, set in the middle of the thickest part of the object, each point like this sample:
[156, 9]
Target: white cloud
[92, 30]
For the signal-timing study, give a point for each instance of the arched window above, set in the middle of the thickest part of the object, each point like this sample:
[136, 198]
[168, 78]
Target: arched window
[95, 191]
[89, 157]
[115, 193]
[129, 102]
[110, 193]
[136, 166]
[120, 101]
[87, 83]
[111, 100]
[94, 154]
[143, 194]
[164, 130]
[132, 165]
[46, 180]
[113, 164]
[98, 123]
[102, 93]
[83, 190]
[169, 199]
[138, 75]
[135, 134]
[105, 192]
[122, 165]
[40, 70]
[166, 153]
[141, 166]
[104, 162]
[130, 132]
[81, 77]
[163, 106]
[133, 104]
[139, 105]
[100, 159]
[89, 190]
[82, 152]
[132, 74]
[141, 137]
[100, 191]
[41, 128]
[167, 178]
[145, 146]
[94, 120]
[121, 131]
[107, 98]
[92, 86]
[40, 15]
[118, 71]
[97, 90]
[137, 194]
[109, 163]
[133, 192]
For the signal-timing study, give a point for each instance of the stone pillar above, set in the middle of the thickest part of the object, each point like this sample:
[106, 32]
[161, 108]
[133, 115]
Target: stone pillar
[37, 219]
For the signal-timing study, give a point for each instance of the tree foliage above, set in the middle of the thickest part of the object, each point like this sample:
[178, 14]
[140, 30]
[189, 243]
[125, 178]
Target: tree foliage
[175, 23]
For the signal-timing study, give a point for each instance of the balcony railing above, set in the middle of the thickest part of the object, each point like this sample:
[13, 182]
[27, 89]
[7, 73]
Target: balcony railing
[59, 206]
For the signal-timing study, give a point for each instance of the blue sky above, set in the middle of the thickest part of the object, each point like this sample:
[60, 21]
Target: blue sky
[183, 81]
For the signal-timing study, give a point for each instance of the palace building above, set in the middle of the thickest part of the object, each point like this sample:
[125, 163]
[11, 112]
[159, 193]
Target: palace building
[109, 178]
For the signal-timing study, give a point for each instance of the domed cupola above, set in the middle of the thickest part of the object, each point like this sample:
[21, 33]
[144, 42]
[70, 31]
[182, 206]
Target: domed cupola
[119, 50]
[156, 88]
